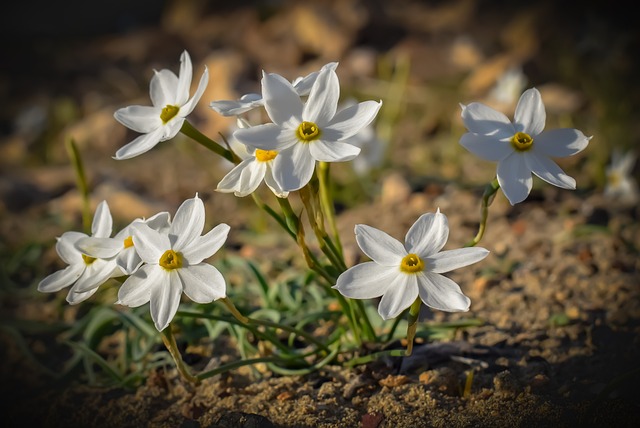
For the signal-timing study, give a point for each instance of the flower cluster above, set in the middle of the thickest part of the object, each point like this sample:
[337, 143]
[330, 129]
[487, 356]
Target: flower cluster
[163, 258]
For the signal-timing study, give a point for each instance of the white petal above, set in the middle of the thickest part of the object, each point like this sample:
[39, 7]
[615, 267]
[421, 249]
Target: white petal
[266, 137]
[136, 290]
[323, 99]
[149, 244]
[143, 119]
[366, 280]
[333, 151]
[453, 259]
[483, 120]
[188, 107]
[203, 283]
[560, 142]
[102, 221]
[207, 245]
[442, 293]
[187, 224]
[232, 181]
[400, 294]
[530, 115]
[251, 178]
[165, 299]
[101, 248]
[486, 146]
[66, 247]
[140, 145]
[75, 297]
[281, 101]
[184, 79]
[351, 120]
[96, 274]
[61, 279]
[293, 168]
[171, 128]
[247, 103]
[514, 178]
[378, 246]
[273, 185]
[128, 260]
[428, 234]
[159, 221]
[547, 170]
[162, 89]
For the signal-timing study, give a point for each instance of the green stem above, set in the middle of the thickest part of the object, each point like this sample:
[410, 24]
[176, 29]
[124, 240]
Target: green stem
[235, 365]
[81, 183]
[414, 312]
[368, 327]
[326, 203]
[487, 198]
[170, 342]
[191, 132]
[371, 357]
[234, 311]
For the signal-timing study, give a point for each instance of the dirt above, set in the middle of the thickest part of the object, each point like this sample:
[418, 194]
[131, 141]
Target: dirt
[558, 299]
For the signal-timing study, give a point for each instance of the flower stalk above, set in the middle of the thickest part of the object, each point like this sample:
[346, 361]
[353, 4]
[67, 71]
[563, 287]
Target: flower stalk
[487, 198]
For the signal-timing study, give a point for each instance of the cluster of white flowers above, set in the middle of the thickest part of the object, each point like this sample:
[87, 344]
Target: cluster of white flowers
[164, 258]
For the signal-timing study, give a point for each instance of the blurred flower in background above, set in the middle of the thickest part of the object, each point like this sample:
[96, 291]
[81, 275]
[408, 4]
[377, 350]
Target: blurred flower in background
[621, 185]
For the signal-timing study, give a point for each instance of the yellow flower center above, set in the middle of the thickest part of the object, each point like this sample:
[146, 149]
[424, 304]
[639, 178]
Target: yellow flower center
[171, 260]
[88, 260]
[265, 155]
[411, 263]
[521, 141]
[308, 131]
[128, 242]
[614, 179]
[168, 113]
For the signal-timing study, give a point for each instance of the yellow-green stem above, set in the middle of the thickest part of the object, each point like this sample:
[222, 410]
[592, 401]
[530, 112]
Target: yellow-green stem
[234, 311]
[170, 342]
[191, 132]
[414, 311]
[487, 198]
[81, 183]
[326, 202]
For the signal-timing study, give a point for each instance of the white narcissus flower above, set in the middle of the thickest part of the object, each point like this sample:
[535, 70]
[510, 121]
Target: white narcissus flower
[86, 274]
[248, 102]
[171, 105]
[521, 147]
[620, 182]
[402, 273]
[305, 133]
[173, 263]
[121, 245]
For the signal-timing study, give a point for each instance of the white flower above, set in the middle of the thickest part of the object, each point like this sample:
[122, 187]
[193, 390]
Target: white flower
[402, 273]
[121, 245]
[309, 132]
[509, 86]
[372, 148]
[171, 105]
[174, 263]
[248, 102]
[85, 273]
[620, 182]
[521, 147]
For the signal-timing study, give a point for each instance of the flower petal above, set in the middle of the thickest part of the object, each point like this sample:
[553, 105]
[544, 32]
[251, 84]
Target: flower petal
[101, 248]
[150, 244]
[61, 279]
[163, 87]
[281, 101]
[187, 224]
[514, 178]
[446, 261]
[549, 171]
[233, 108]
[333, 151]
[75, 297]
[322, 103]
[441, 293]
[159, 221]
[266, 137]
[428, 234]
[483, 120]
[188, 107]
[66, 247]
[530, 115]
[232, 182]
[401, 293]
[560, 142]
[207, 245]
[203, 283]
[136, 290]
[102, 221]
[378, 246]
[184, 79]
[365, 281]
[273, 185]
[128, 260]
[293, 168]
[486, 147]
[165, 299]
[143, 119]
[96, 274]
[140, 145]
[351, 120]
